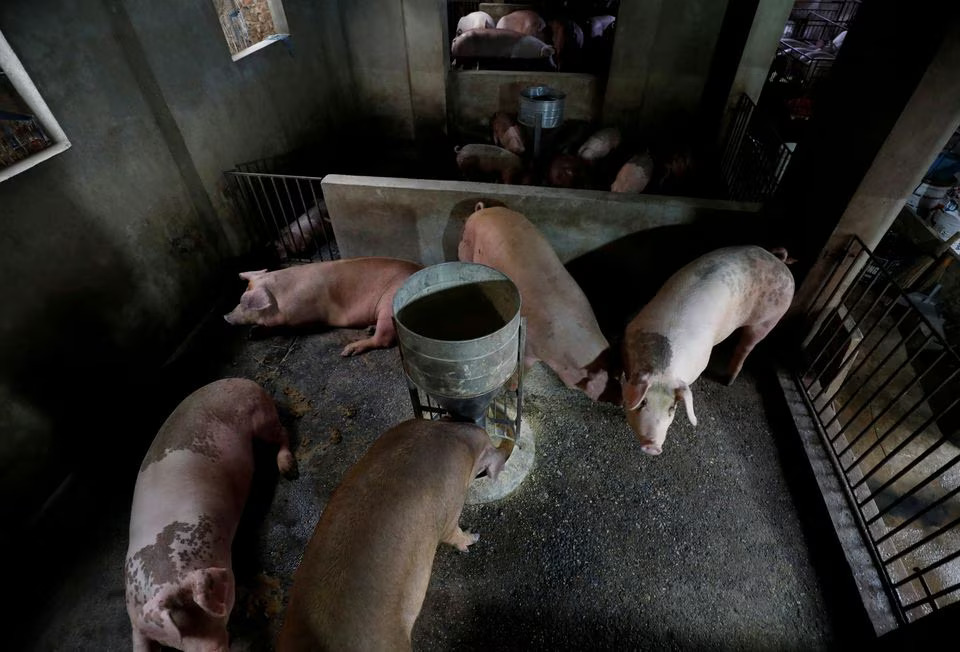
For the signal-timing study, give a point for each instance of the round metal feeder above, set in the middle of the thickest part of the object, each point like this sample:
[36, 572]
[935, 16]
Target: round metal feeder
[461, 342]
[541, 107]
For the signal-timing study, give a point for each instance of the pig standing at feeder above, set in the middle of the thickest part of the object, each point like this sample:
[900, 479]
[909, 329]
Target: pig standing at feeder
[480, 162]
[667, 345]
[348, 293]
[475, 20]
[565, 171]
[364, 574]
[189, 495]
[524, 21]
[561, 327]
[506, 133]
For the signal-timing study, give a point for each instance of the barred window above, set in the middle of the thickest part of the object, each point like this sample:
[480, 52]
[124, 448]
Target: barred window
[249, 25]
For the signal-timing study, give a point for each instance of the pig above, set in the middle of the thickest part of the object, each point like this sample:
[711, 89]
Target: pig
[475, 20]
[364, 574]
[524, 21]
[567, 39]
[600, 24]
[500, 44]
[506, 133]
[565, 171]
[480, 162]
[313, 227]
[561, 327]
[667, 345]
[348, 293]
[187, 502]
[600, 144]
[634, 175]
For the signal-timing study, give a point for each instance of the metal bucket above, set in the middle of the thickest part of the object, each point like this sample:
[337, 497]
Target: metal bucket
[541, 105]
[458, 325]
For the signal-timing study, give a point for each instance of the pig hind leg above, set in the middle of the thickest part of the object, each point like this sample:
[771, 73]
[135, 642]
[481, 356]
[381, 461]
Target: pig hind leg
[143, 644]
[749, 337]
[286, 462]
[383, 336]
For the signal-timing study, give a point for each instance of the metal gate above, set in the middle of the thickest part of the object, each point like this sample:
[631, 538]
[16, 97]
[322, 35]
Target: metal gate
[883, 385]
[285, 213]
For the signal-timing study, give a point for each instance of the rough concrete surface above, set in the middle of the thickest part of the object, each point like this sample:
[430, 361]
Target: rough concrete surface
[600, 547]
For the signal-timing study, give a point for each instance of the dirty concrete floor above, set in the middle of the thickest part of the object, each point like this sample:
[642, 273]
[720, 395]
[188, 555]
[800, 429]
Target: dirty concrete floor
[601, 546]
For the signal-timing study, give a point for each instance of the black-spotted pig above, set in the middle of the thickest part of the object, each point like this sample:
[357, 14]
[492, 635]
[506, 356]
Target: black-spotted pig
[347, 293]
[189, 495]
[667, 345]
[561, 327]
[364, 574]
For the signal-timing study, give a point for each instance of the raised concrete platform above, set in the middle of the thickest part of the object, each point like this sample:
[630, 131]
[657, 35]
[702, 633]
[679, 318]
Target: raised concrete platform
[422, 220]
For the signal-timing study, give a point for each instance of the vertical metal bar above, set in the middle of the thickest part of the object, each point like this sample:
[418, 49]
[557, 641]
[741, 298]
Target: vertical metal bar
[326, 236]
[253, 192]
[313, 231]
[922, 542]
[913, 383]
[913, 435]
[826, 310]
[899, 528]
[936, 475]
[850, 313]
[269, 206]
[826, 282]
[296, 220]
[856, 326]
[866, 358]
[918, 572]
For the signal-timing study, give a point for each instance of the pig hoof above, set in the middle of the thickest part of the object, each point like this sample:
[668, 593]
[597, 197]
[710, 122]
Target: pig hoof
[287, 465]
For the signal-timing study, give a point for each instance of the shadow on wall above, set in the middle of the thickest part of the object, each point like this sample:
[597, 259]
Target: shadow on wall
[619, 278]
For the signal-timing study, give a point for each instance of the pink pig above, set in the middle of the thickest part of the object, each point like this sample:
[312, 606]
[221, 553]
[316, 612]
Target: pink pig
[348, 293]
[561, 327]
[667, 345]
[364, 575]
[189, 495]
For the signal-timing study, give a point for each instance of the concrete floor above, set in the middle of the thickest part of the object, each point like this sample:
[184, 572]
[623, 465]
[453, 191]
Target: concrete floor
[600, 547]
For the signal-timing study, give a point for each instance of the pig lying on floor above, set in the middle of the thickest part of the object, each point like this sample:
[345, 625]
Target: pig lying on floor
[667, 345]
[348, 293]
[364, 574]
[189, 495]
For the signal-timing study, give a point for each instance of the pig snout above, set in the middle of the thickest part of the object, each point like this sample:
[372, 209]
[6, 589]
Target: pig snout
[650, 448]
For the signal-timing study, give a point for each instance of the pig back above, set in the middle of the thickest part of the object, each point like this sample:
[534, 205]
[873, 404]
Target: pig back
[561, 325]
[364, 574]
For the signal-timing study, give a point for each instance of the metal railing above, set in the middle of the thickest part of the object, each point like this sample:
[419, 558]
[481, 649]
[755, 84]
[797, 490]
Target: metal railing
[884, 386]
[284, 213]
[753, 157]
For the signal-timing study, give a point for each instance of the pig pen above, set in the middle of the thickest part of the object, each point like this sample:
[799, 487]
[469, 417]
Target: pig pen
[714, 544]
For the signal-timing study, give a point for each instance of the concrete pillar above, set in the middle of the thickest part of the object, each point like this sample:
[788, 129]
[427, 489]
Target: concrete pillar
[759, 50]
[428, 57]
[661, 61]
[917, 135]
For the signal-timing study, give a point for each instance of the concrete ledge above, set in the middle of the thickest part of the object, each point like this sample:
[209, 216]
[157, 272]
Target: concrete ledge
[876, 601]
[422, 220]
[473, 96]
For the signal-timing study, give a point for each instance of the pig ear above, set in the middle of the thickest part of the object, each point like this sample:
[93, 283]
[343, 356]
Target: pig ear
[491, 461]
[633, 393]
[478, 207]
[211, 590]
[683, 393]
[258, 298]
[249, 276]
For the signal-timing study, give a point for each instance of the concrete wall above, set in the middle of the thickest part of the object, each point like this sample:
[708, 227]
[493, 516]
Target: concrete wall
[475, 95]
[114, 249]
[423, 220]
[662, 57]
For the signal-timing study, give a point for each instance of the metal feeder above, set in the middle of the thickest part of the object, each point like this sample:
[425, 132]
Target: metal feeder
[541, 107]
[461, 341]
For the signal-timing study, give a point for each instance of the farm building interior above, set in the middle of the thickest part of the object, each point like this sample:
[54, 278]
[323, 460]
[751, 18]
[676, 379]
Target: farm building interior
[152, 152]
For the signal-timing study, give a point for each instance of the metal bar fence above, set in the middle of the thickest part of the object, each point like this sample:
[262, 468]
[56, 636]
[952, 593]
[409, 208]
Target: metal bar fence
[284, 214]
[884, 388]
[754, 157]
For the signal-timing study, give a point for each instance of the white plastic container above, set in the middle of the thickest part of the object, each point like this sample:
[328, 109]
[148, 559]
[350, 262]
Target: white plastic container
[945, 223]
